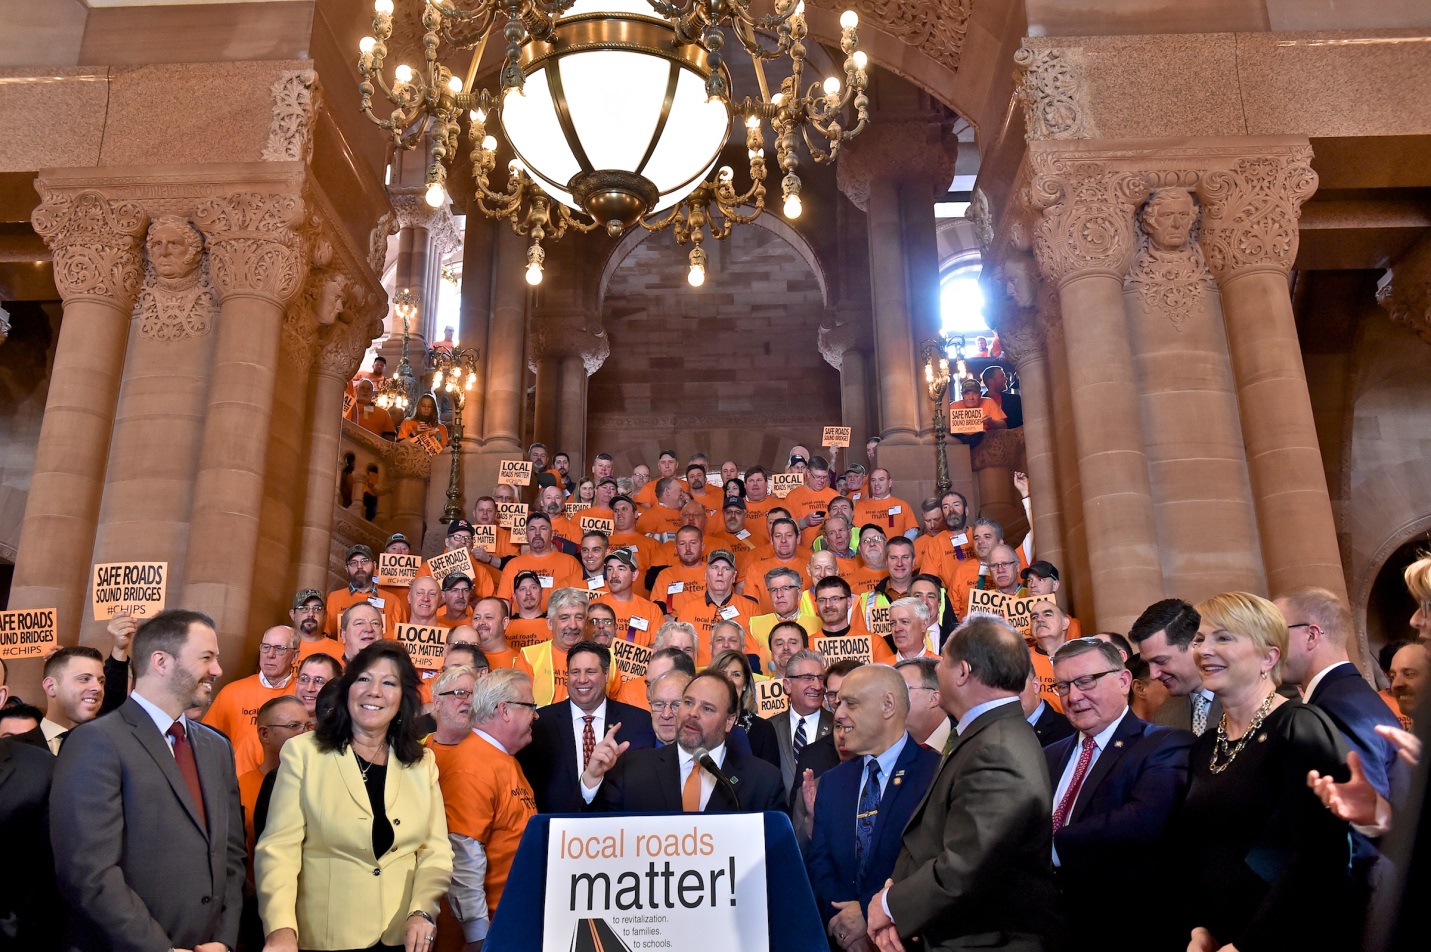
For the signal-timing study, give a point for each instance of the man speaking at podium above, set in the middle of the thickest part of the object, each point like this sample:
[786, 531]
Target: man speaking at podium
[678, 777]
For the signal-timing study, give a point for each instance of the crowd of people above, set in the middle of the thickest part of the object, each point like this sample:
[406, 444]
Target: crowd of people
[969, 780]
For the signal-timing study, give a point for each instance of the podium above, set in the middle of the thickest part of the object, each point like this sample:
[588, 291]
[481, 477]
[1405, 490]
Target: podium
[792, 921]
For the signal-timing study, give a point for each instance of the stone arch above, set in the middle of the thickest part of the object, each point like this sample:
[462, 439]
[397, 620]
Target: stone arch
[1365, 583]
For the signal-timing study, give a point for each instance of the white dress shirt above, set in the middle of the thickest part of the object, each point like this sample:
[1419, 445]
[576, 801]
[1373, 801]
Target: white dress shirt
[973, 713]
[1101, 740]
[812, 725]
[578, 726]
[161, 719]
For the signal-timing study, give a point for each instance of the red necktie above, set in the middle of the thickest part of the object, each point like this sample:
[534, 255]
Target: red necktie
[188, 767]
[588, 740]
[1065, 806]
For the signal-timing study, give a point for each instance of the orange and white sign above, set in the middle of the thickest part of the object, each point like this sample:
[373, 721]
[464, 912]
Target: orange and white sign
[128, 588]
[514, 472]
[835, 436]
[29, 633]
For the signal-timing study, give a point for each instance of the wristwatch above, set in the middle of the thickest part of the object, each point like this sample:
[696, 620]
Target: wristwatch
[420, 912]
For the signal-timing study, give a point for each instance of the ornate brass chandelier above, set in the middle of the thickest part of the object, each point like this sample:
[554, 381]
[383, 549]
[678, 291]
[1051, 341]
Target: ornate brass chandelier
[616, 111]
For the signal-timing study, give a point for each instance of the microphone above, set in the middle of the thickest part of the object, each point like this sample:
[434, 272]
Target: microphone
[704, 758]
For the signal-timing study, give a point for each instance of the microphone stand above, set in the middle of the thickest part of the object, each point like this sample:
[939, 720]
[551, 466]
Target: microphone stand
[704, 758]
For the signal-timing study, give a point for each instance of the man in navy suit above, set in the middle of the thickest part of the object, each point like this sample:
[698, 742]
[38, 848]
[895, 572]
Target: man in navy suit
[1117, 783]
[871, 795]
[670, 779]
[1319, 625]
[567, 732]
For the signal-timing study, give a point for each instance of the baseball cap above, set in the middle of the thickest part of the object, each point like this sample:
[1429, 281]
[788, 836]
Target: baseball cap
[303, 597]
[798, 459]
[450, 582]
[856, 468]
[733, 502]
[623, 498]
[396, 537]
[459, 525]
[721, 555]
[525, 574]
[359, 549]
[623, 556]
[1042, 569]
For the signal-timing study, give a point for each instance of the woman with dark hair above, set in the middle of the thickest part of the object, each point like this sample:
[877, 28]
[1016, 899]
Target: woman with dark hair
[734, 488]
[424, 419]
[585, 496]
[735, 665]
[355, 852]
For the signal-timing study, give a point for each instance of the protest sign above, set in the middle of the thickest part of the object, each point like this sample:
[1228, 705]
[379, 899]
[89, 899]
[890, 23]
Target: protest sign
[771, 695]
[128, 588]
[879, 620]
[836, 436]
[1016, 611]
[518, 534]
[445, 564]
[782, 483]
[30, 633]
[597, 524]
[856, 647]
[426, 644]
[966, 420]
[514, 472]
[484, 538]
[429, 441]
[398, 570]
[510, 514]
[630, 658]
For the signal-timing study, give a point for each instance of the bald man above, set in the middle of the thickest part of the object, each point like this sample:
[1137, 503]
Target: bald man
[235, 709]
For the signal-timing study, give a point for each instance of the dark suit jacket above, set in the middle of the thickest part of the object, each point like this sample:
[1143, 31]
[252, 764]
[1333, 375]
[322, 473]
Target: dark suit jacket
[134, 863]
[976, 868]
[549, 761]
[781, 723]
[1051, 726]
[831, 863]
[1117, 831]
[649, 781]
[818, 757]
[29, 906]
[1178, 712]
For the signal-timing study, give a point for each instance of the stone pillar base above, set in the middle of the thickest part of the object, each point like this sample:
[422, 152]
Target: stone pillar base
[910, 462]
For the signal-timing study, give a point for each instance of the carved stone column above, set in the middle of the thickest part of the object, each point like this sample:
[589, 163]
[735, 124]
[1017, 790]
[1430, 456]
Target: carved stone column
[259, 263]
[1250, 240]
[567, 348]
[478, 281]
[1084, 245]
[1196, 460]
[340, 350]
[412, 478]
[845, 345]
[1070, 484]
[506, 345]
[887, 177]
[162, 399]
[97, 267]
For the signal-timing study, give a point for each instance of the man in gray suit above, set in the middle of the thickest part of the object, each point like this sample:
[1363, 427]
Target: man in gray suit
[975, 867]
[145, 817]
[807, 719]
[1164, 634]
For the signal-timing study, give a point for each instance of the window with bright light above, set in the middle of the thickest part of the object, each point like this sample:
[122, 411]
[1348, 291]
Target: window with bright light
[962, 303]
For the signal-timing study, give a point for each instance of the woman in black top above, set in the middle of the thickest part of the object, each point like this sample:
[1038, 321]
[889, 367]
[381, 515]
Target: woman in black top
[1266, 866]
[763, 743]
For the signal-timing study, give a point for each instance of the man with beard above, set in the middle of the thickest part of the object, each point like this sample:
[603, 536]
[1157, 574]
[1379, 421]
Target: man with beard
[688, 575]
[719, 602]
[489, 621]
[701, 491]
[958, 541]
[554, 569]
[734, 535]
[565, 535]
[146, 822]
[669, 779]
[931, 552]
[308, 621]
[361, 564]
[234, 712]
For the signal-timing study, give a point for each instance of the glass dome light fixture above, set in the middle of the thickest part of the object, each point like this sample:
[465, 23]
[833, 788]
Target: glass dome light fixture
[615, 111]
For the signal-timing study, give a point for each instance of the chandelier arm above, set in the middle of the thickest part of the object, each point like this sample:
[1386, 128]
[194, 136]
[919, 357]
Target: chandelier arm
[752, 44]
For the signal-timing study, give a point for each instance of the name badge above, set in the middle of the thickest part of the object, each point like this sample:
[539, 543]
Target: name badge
[895, 510]
[546, 580]
[960, 539]
[639, 623]
[983, 569]
[595, 582]
[743, 534]
[675, 588]
[377, 602]
[729, 612]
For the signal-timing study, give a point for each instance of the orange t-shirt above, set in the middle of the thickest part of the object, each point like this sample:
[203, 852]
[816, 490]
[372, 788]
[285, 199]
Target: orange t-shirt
[701, 613]
[755, 513]
[562, 570]
[689, 579]
[637, 619]
[742, 549]
[235, 712]
[372, 418]
[502, 659]
[891, 514]
[803, 502]
[633, 692]
[754, 578]
[411, 428]
[249, 783]
[393, 609]
[710, 497]
[865, 579]
[645, 497]
[525, 632]
[487, 798]
[1043, 667]
[325, 645]
[660, 521]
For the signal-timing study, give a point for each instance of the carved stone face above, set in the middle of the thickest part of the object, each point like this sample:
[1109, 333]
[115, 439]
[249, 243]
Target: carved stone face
[1168, 218]
[174, 247]
[1020, 282]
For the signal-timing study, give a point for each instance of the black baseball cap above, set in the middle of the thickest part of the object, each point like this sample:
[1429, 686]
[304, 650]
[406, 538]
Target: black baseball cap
[1042, 569]
[460, 525]
[450, 582]
[623, 556]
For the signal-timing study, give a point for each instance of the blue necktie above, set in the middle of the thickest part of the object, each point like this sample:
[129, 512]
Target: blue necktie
[865, 815]
[800, 739]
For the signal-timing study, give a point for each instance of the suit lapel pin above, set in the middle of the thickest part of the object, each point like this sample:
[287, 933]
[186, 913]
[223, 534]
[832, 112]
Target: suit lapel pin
[1261, 738]
[1117, 743]
[898, 777]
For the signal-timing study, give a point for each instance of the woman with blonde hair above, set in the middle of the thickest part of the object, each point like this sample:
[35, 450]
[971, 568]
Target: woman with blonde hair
[1418, 582]
[1261, 849]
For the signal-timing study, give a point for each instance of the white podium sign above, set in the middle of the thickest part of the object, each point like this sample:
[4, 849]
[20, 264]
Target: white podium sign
[693, 883]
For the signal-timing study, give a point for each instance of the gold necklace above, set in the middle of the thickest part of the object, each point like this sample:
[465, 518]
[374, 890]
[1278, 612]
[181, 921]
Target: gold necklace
[1221, 747]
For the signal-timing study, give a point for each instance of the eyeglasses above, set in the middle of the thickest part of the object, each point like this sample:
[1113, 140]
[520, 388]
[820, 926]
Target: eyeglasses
[273, 649]
[309, 679]
[783, 590]
[1300, 624]
[601, 622]
[522, 704]
[309, 610]
[832, 600]
[359, 562]
[294, 726]
[658, 706]
[1003, 565]
[1084, 683]
[461, 694]
[805, 678]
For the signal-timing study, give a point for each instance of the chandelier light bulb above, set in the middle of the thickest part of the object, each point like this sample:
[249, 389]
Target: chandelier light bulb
[777, 99]
[832, 86]
[436, 195]
[478, 115]
[471, 379]
[697, 277]
[800, 8]
[861, 60]
[849, 19]
[489, 144]
[793, 207]
[403, 73]
[534, 274]
[455, 84]
[366, 44]
[385, 7]
[753, 122]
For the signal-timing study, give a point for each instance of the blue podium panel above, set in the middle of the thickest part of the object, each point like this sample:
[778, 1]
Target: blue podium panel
[793, 922]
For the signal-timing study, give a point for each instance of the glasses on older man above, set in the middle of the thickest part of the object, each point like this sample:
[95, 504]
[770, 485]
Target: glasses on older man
[1084, 683]
[460, 693]
[273, 649]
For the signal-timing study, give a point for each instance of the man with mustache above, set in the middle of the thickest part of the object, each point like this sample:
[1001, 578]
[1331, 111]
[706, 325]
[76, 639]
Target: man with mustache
[308, 620]
[234, 712]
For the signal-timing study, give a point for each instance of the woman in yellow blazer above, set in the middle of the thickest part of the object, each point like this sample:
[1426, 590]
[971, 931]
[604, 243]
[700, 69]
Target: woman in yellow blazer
[355, 852]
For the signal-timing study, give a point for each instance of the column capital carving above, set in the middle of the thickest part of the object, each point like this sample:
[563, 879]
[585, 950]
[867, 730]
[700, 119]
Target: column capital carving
[341, 346]
[1086, 221]
[95, 242]
[847, 329]
[920, 150]
[1405, 291]
[410, 461]
[1168, 272]
[255, 245]
[1253, 209]
[412, 211]
[177, 300]
[1050, 85]
[557, 338]
[290, 131]
[999, 449]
